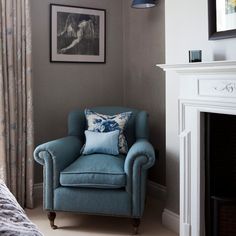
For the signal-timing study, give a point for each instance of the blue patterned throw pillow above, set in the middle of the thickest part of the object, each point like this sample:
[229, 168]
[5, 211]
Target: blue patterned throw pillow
[107, 123]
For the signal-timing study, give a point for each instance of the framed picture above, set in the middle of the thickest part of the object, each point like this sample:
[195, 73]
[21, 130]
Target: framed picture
[222, 19]
[77, 34]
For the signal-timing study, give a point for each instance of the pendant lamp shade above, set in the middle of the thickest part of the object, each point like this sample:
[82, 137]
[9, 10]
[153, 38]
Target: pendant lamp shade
[143, 3]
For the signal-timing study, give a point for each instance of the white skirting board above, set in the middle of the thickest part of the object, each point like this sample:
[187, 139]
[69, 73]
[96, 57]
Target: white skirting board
[170, 220]
[156, 190]
[38, 191]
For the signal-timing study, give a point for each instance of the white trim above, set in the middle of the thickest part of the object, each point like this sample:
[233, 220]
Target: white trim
[156, 190]
[204, 87]
[170, 220]
[38, 191]
[199, 67]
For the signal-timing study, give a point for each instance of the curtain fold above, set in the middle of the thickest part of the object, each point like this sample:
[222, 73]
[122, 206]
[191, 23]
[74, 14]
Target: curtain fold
[16, 107]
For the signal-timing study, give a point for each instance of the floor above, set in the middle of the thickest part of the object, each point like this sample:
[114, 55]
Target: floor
[73, 224]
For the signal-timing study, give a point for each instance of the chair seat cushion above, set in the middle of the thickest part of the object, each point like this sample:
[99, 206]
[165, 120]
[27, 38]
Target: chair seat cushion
[95, 171]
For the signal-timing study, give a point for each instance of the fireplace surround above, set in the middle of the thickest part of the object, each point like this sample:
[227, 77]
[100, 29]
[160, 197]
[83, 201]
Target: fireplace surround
[205, 88]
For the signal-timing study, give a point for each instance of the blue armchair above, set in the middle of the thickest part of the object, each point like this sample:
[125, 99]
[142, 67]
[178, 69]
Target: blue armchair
[97, 183]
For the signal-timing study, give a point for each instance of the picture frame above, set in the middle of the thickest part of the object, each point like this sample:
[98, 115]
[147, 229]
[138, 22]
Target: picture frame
[221, 19]
[77, 34]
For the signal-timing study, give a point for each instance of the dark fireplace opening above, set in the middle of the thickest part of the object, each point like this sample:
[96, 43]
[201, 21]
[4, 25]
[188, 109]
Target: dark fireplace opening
[220, 174]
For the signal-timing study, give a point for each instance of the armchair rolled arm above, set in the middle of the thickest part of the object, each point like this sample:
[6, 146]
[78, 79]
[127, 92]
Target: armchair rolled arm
[141, 152]
[58, 154]
[55, 156]
[139, 159]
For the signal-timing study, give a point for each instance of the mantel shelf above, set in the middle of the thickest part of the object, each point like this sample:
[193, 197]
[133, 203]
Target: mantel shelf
[200, 67]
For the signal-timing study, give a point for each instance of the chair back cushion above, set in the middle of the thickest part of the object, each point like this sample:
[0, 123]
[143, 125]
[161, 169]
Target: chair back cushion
[137, 126]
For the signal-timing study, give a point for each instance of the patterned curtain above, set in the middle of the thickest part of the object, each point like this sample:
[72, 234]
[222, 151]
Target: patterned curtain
[16, 115]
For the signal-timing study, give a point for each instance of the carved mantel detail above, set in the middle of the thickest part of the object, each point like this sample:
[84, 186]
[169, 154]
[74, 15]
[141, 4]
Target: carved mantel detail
[229, 87]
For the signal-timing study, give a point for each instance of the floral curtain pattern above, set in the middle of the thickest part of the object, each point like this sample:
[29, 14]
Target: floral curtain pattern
[16, 109]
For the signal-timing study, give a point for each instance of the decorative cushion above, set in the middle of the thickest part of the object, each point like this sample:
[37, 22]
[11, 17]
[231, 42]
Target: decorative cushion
[95, 171]
[106, 123]
[106, 143]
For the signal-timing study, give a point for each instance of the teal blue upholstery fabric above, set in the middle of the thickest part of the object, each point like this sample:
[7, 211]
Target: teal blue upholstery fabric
[106, 143]
[55, 156]
[140, 158]
[93, 201]
[95, 171]
[100, 184]
[77, 124]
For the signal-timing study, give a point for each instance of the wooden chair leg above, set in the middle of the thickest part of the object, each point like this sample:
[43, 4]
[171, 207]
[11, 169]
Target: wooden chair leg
[51, 217]
[136, 223]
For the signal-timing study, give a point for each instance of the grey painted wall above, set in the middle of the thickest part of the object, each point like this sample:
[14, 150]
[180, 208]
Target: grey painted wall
[185, 30]
[135, 43]
[144, 47]
[60, 87]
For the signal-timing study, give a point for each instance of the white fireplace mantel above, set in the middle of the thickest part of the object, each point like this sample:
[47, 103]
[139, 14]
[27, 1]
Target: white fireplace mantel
[204, 87]
[200, 67]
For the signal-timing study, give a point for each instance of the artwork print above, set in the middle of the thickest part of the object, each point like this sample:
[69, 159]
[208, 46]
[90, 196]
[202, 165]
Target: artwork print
[77, 34]
[230, 6]
[222, 19]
